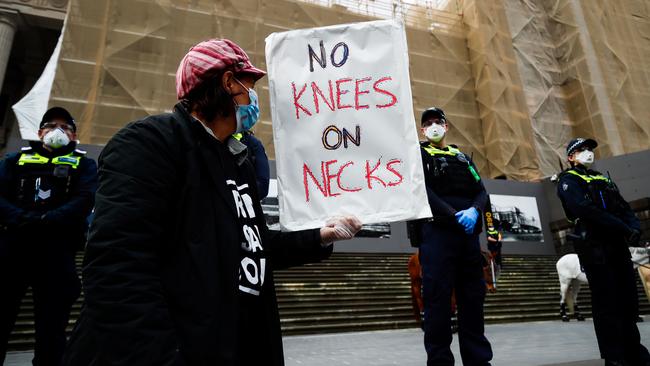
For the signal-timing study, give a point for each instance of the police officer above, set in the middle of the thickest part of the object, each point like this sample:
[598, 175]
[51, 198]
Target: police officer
[46, 192]
[450, 253]
[604, 227]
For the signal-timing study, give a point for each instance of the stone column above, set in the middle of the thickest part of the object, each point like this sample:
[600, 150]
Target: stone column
[7, 32]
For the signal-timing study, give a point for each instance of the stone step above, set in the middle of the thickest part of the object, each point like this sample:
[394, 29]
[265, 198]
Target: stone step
[368, 291]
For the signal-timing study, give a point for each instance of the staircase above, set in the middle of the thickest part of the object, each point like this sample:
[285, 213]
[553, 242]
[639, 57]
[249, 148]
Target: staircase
[354, 292]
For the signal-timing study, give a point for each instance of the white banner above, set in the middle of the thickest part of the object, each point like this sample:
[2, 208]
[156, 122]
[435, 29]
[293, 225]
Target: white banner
[31, 108]
[343, 128]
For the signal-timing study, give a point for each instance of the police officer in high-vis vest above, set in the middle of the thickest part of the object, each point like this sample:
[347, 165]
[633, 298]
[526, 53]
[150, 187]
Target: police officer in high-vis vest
[450, 253]
[604, 228]
[46, 192]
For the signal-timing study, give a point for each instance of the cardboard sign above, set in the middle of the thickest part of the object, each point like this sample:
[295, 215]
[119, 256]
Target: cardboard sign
[345, 139]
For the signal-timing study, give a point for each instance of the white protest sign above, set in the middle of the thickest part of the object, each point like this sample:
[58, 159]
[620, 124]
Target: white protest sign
[343, 128]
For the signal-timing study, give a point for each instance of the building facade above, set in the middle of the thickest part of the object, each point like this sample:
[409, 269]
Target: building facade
[517, 79]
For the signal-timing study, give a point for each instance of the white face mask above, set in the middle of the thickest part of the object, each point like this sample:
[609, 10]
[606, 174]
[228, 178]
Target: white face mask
[56, 138]
[435, 132]
[585, 158]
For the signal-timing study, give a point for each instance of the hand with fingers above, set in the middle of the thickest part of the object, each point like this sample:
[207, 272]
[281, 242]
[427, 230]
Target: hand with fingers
[467, 219]
[339, 228]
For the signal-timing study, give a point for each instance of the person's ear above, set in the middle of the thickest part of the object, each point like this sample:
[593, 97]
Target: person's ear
[41, 133]
[572, 157]
[228, 81]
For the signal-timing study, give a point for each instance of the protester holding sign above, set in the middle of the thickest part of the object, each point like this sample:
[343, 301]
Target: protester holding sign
[450, 253]
[179, 260]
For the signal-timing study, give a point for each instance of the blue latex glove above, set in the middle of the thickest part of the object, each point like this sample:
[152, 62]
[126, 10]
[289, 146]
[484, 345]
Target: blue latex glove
[467, 219]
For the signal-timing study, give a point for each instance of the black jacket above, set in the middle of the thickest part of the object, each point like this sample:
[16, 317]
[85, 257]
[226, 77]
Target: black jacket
[161, 266]
[598, 223]
[444, 207]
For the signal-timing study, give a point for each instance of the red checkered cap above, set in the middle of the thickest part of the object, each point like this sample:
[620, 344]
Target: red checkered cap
[208, 57]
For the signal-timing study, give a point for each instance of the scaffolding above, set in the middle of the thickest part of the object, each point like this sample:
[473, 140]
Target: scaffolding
[517, 78]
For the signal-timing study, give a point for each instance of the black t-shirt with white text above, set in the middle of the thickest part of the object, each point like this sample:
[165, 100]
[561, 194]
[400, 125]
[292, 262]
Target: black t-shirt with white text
[252, 266]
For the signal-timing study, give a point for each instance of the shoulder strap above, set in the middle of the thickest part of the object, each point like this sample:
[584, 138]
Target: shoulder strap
[69, 159]
[32, 158]
[588, 178]
[433, 151]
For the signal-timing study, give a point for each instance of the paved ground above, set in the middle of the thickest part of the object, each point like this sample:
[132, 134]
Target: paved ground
[521, 344]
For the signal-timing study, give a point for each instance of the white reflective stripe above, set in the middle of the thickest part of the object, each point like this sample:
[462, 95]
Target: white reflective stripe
[249, 290]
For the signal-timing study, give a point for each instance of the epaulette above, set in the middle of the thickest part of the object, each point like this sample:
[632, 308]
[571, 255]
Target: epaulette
[25, 149]
[80, 152]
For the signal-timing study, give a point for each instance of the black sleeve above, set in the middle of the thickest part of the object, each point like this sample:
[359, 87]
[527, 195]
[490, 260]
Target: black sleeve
[289, 249]
[628, 215]
[82, 198]
[124, 303]
[9, 213]
[481, 199]
[438, 206]
[576, 200]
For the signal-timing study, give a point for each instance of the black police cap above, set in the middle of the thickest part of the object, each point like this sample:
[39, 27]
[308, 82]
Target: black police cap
[579, 142]
[58, 113]
[432, 112]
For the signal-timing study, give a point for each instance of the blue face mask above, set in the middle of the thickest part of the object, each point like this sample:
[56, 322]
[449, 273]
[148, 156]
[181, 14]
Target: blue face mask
[247, 114]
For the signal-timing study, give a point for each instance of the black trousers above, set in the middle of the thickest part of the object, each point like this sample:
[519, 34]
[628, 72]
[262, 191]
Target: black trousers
[49, 269]
[614, 301]
[450, 259]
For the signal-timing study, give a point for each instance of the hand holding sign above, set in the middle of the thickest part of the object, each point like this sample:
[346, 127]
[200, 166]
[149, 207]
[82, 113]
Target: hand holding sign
[343, 125]
[339, 228]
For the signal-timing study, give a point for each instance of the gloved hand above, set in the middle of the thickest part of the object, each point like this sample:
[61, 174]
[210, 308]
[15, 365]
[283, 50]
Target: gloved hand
[339, 228]
[467, 219]
[632, 237]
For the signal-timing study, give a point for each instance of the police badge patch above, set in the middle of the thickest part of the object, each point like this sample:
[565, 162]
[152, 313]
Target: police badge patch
[565, 187]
